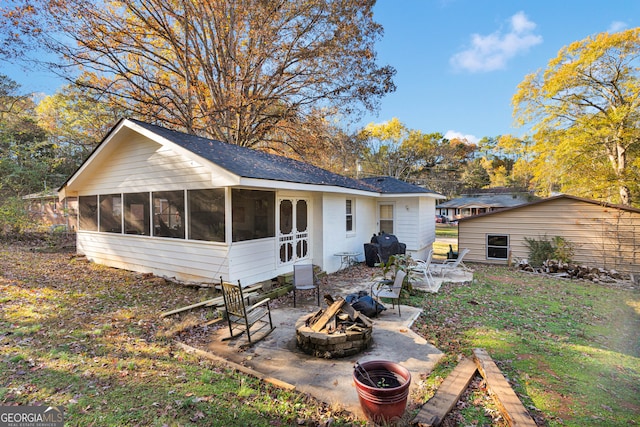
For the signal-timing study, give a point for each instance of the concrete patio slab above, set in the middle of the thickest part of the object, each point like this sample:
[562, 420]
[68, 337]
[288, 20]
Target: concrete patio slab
[331, 380]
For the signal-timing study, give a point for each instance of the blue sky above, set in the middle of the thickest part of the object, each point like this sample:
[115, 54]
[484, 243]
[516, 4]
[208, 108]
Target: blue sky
[459, 61]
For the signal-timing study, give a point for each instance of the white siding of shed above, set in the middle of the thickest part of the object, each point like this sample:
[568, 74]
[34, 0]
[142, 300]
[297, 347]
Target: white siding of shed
[406, 221]
[602, 236]
[366, 221]
[426, 228]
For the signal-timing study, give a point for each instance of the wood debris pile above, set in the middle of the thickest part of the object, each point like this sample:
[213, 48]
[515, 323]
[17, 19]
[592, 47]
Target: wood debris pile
[339, 316]
[575, 271]
[338, 331]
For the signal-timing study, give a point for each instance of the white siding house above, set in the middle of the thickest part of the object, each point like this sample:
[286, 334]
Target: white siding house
[159, 201]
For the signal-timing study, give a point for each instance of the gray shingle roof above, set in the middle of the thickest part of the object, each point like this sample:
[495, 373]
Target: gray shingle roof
[387, 184]
[494, 201]
[250, 163]
[551, 199]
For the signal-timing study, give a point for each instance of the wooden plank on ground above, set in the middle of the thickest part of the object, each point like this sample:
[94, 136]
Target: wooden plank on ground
[219, 301]
[207, 303]
[245, 289]
[507, 400]
[252, 288]
[436, 409]
[245, 370]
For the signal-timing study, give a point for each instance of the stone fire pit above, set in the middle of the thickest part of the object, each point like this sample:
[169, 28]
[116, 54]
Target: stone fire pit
[338, 331]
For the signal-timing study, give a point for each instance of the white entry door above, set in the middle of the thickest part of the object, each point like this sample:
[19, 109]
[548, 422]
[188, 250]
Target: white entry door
[293, 230]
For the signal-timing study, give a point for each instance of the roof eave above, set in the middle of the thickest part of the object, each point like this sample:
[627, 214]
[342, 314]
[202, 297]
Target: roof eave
[299, 186]
[406, 195]
[549, 199]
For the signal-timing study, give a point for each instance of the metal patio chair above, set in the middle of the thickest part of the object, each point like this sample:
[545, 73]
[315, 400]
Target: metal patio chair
[304, 279]
[389, 289]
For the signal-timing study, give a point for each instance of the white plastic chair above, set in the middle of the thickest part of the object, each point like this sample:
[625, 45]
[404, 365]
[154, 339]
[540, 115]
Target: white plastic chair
[424, 267]
[450, 265]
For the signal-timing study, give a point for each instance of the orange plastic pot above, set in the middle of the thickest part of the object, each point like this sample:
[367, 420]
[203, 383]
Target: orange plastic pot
[383, 388]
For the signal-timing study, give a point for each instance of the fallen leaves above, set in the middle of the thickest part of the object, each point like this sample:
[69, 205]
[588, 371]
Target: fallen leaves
[89, 338]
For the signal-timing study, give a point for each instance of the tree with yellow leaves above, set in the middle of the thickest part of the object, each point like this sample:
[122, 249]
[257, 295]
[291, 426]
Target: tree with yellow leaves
[584, 110]
[392, 149]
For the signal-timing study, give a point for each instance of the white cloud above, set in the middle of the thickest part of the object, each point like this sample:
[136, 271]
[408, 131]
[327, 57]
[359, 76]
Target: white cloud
[617, 26]
[452, 134]
[491, 52]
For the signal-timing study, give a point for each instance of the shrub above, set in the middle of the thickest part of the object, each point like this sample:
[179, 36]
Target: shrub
[544, 249]
[539, 250]
[394, 264]
[14, 218]
[563, 249]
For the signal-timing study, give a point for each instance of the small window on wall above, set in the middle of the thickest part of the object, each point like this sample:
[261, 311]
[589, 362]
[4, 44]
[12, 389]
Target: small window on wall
[497, 246]
[206, 215]
[136, 213]
[168, 214]
[88, 213]
[349, 210]
[111, 213]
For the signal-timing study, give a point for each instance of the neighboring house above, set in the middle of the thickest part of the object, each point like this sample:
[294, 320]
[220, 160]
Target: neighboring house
[483, 201]
[602, 235]
[177, 205]
[48, 210]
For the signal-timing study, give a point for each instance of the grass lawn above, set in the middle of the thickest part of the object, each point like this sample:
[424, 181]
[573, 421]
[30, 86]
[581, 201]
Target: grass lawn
[446, 230]
[445, 235]
[89, 338]
[570, 349]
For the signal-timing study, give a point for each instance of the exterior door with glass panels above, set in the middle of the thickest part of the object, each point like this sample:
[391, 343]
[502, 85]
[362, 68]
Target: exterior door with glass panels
[293, 230]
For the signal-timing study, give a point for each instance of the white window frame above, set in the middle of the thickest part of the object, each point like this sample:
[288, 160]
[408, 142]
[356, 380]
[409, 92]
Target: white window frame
[487, 236]
[350, 203]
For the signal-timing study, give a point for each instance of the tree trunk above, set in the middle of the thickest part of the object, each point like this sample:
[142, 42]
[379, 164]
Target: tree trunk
[619, 163]
[625, 195]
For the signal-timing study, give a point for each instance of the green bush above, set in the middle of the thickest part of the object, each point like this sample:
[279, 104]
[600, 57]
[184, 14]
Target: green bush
[563, 249]
[539, 250]
[14, 218]
[396, 263]
[544, 249]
